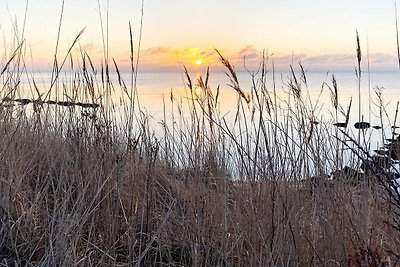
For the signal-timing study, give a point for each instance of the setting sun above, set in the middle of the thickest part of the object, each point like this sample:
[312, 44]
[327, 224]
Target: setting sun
[199, 62]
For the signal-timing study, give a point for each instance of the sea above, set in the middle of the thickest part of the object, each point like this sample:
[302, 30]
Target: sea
[372, 90]
[161, 92]
[164, 98]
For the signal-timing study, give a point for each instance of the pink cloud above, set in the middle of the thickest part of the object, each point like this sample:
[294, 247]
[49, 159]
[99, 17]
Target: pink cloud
[157, 50]
[168, 57]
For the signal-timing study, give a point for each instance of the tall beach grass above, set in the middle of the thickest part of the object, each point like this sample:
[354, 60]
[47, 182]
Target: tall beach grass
[86, 181]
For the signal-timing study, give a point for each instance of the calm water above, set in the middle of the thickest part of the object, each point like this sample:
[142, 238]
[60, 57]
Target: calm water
[153, 87]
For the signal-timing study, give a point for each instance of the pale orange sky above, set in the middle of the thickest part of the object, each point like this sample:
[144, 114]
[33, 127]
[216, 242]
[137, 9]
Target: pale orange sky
[320, 34]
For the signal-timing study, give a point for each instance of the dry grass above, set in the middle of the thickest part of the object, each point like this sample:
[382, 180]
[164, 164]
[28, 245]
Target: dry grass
[79, 188]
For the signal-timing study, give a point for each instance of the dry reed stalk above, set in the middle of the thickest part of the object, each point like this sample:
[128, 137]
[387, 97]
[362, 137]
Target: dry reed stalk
[14, 54]
[335, 95]
[232, 76]
[295, 86]
[64, 174]
[359, 56]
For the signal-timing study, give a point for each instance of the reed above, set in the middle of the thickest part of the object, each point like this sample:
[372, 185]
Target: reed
[83, 183]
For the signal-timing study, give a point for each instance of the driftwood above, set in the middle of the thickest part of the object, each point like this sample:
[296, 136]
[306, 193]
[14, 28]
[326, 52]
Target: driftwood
[25, 101]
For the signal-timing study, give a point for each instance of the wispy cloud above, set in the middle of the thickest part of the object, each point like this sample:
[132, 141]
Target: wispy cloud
[377, 61]
[174, 58]
[163, 57]
[156, 51]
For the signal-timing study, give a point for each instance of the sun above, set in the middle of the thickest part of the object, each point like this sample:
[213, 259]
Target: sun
[199, 62]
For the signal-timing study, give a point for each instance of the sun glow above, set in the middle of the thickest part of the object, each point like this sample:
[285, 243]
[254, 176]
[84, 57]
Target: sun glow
[171, 57]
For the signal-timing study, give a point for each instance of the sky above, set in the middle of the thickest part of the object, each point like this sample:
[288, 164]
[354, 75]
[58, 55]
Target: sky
[319, 34]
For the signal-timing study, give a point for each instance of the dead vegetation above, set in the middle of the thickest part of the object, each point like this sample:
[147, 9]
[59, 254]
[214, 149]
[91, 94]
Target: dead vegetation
[274, 186]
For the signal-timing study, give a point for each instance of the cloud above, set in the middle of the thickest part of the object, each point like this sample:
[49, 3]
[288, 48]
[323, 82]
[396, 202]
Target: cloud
[93, 50]
[333, 62]
[174, 58]
[87, 47]
[249, 53]
[247, 50]
[157, 50]
[207, 53]
[382, 59]
[163, 57]
[377, 61]
[328, 61]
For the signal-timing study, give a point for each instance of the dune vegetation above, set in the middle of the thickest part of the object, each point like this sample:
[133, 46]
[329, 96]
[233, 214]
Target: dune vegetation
[86, 181]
